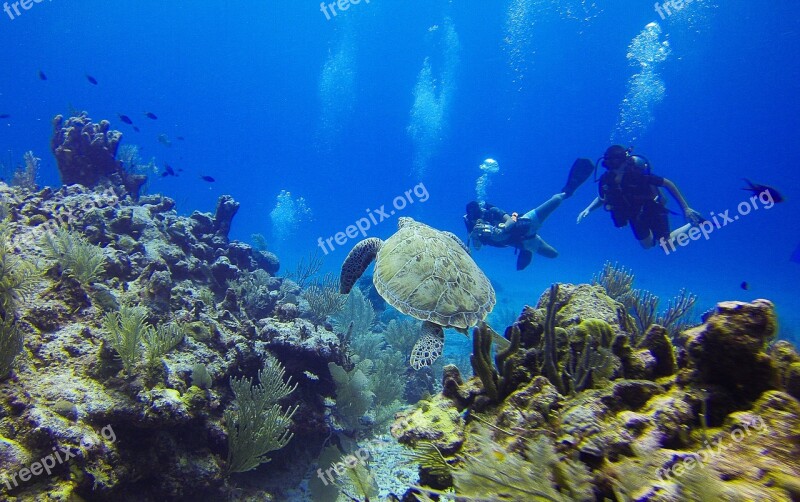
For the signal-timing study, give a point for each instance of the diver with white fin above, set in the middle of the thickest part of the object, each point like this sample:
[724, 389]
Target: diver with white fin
[631, 193]
[491, 226]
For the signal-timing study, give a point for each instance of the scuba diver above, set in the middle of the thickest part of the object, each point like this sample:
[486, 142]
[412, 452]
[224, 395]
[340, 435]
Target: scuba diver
[491, 226]
[632, 195]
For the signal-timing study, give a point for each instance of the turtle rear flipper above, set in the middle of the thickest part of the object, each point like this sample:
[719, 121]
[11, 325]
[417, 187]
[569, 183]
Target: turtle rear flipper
[357, 262]
[429, 346]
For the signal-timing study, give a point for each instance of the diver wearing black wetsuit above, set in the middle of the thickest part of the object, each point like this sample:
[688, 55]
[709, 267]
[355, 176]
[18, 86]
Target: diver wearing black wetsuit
[632, 195]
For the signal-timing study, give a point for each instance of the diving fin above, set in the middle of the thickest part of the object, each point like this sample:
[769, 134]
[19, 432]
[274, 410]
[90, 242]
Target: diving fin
[524, 259]
[580, 171]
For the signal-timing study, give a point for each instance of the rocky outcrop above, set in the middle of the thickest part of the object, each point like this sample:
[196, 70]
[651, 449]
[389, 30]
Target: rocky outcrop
[728, 354]
[86, 154]
[169, 438]
[718, 421]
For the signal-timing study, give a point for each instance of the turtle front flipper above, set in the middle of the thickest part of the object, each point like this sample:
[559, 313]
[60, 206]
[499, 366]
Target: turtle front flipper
[429, 346]
[357, 262]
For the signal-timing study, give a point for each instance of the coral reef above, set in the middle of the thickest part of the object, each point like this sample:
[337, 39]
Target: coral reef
[324, 299]
[728, 353]
[163, 392]
[257, 425]
[86, 154]
[643, 305]
[25, 176]
[710, 418]
[496, 382]
[166, 361]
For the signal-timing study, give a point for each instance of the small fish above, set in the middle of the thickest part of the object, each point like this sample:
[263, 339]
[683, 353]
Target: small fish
[164, 174]
[5, 115]
[180, 170]
[180, 138]
[208, 178]
[91, 79]
[759, 189]
[168, 169]
[164, 140]
[42, 76]
[151, 115]
[136, 129]
[745, 286]
[125, 119]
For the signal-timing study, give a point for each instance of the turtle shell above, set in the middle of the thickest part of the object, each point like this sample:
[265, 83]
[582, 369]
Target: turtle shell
[427, 274]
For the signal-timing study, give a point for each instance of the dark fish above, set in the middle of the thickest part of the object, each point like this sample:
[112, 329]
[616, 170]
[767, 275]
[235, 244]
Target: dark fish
[180, 138]
[125, 118]
[164, 140]
[759, 189]
[168, 169]
[136, 129]
[42, 76]
[91, 79]
[164, 174]
[745, 286]
[151, 115]
[208, 178]
[180, 170]
[5, 116]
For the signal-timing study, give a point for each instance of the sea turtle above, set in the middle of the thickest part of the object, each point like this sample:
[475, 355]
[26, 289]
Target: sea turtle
[427, 274]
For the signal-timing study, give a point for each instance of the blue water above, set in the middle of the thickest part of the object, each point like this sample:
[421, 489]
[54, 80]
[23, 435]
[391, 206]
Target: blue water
[272, 96]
